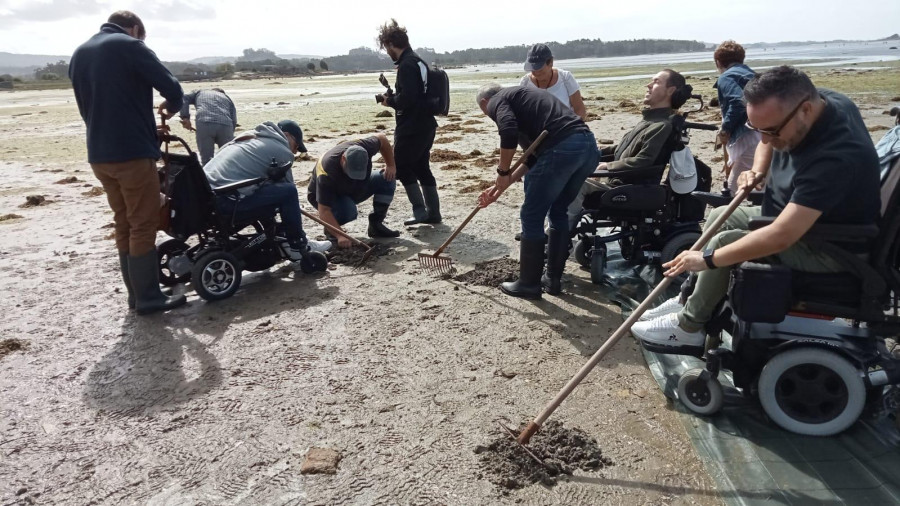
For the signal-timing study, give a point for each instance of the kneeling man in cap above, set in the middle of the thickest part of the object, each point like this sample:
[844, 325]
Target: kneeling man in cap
[343, 178]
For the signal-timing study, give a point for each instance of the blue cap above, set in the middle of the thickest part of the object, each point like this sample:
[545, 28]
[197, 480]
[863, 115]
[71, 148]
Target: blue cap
[537, 57]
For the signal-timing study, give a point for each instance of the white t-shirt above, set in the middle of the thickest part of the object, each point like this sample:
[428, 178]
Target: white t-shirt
[565, 86]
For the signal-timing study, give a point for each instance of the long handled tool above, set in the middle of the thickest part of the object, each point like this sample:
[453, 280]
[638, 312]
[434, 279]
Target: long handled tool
[334, 230]
[535, 425]
[442, 264]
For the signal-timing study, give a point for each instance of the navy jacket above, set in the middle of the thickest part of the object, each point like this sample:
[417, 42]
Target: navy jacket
[730, 86]
[113, 75]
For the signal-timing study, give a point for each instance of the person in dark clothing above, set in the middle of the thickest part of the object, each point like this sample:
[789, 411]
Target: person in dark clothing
[821, 167]
[343, 178]
[557, 169]
[113, 75]
[414, 134]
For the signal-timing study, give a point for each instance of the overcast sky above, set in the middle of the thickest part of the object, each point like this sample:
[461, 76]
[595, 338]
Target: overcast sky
[185, 29]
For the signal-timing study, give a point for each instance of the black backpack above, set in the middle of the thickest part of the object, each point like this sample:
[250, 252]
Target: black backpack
[437, 91]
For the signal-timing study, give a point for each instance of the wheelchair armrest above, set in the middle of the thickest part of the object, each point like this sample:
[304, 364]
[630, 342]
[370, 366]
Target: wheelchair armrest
[642, 173]
[607, 158]
[758, 222]
[826, 232]
[228, 188]
[756, 197]
[712, 199]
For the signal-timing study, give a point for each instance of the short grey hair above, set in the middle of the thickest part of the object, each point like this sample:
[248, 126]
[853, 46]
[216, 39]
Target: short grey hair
[487, 91]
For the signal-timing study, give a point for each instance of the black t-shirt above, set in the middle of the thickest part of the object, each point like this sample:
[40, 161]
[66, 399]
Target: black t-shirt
[329, 181]
[834, 169]
[523, 113]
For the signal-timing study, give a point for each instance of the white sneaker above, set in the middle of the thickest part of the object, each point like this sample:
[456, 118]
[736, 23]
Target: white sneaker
[664, 331]
[320, 246]
[672, 305]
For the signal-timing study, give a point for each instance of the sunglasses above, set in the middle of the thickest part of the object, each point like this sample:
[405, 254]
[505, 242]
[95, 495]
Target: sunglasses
[773, 132]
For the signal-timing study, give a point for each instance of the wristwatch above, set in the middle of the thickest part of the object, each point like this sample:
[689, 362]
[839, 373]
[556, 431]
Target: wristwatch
[708, 257]
[504, 172]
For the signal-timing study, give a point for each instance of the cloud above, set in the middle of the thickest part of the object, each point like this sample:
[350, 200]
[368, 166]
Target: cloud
[177, 10]
[54, 10]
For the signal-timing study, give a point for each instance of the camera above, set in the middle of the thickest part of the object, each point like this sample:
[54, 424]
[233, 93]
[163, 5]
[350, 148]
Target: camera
[379, 98]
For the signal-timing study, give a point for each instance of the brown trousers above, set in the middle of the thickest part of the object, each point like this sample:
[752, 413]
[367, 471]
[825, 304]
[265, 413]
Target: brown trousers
[132, 189]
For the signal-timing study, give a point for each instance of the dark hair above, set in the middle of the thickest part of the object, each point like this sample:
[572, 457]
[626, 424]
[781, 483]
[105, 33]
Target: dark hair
[682, 89]
[786, 83]
[729, 52]
[128, 19]
[393, 34]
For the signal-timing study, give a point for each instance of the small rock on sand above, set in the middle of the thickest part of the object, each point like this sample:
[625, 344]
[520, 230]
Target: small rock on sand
[384, 114]
[320, 461]
[67, 180]
[34, 200]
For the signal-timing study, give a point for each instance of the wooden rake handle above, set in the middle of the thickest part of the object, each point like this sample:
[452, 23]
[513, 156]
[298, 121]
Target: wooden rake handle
[516, 174]
[334, 230]
[533, 426]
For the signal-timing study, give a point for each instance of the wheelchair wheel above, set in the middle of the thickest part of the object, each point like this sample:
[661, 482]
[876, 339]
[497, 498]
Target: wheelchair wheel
[811, 391]
[216, 275]
[582, 253]
[598, 264]
[166, 252]
[314, 261]
[701, 397]
[675, 246]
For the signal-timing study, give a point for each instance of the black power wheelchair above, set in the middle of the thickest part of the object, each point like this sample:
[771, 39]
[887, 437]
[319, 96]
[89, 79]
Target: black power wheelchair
[810, 347]
[225, 244]
[651, 222]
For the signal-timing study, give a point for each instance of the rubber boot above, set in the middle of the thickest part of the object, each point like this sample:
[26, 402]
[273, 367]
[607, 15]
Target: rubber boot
[557, 253]
[143, 271]
[432, 203]
[420, 212]
[531, 265]
[123, 267]
[376, 223]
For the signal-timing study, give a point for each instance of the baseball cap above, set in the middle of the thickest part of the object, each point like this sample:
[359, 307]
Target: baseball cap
[291, 127]
[357, 163]
[537, 57]
[682, 171]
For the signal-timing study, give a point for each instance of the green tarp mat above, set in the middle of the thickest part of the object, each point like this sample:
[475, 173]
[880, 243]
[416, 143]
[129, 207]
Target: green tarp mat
[752, 460]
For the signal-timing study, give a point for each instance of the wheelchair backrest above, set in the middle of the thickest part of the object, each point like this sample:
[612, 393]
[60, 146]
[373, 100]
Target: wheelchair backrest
[192, 201]
[886, 250]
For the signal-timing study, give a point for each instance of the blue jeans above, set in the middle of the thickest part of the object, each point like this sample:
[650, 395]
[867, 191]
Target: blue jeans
[554, 182]
[265, 202]
[344, 208]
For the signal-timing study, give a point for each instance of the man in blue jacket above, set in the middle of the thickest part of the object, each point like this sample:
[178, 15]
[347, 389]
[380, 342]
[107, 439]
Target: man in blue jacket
[114, 75]
[739, 141]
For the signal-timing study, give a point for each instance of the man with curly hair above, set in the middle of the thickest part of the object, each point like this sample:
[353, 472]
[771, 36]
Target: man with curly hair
[414, 134]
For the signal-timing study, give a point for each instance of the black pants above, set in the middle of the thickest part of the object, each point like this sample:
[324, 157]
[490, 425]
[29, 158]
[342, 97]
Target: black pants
[412, 152]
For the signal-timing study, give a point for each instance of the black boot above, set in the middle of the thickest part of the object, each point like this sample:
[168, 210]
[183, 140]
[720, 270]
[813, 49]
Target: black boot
[531, 264]
[143, 271]
[123, 267]
[420, 212]
[557, 253]
[432, 203]
[376, 223]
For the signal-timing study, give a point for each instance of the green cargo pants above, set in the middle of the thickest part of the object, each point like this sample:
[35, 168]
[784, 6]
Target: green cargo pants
[712, 284]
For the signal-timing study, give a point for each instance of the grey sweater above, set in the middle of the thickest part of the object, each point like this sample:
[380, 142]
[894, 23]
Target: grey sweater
[248, 156]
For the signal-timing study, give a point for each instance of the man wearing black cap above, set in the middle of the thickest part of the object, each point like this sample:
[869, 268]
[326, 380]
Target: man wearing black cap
[249, 156]
[343, 178]
[416, 126]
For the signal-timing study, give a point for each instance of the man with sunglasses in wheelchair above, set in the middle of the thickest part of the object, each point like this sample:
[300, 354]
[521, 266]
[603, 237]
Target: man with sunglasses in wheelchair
[267, 151]
[821, 168]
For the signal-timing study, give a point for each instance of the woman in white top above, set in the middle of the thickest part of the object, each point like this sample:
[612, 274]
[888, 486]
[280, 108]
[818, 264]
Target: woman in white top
[560, 83]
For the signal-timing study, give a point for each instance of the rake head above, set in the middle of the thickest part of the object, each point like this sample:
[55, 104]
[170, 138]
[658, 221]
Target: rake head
[436, 263]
